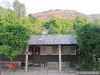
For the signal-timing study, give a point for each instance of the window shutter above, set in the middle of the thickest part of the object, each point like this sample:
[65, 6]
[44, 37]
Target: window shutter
[49, 50]
[66, 50]
[73, 51]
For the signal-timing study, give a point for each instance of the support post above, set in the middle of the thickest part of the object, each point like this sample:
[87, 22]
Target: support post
[26, 63]
[60, 66]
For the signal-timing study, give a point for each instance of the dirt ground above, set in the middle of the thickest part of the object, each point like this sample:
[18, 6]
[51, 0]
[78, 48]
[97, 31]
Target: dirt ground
[38, 71]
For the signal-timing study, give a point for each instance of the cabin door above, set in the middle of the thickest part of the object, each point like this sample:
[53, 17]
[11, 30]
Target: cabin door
[37, 54]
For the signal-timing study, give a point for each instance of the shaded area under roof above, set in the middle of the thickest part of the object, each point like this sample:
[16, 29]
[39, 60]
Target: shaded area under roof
[52, 39]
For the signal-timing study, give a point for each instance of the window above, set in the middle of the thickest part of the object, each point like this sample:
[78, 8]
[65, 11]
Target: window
[73, 51]
[49, 50]
[54, 50]
[43, 50]
[66, 50]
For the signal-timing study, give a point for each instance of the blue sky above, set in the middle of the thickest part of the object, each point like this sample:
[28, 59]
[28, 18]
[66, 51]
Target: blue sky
[83, 6]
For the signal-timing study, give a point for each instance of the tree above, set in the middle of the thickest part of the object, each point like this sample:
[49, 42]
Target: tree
[97, 21]
[79, 21]
[63, 31]
[67, 26]
[32, 18]
[8, 16]
[61, 26]
[19, 8]
[51, 30]
[13, 39]
[88, 37]
[34, 28]
[56, 22]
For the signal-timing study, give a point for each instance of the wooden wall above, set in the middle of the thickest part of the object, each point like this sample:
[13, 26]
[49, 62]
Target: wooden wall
[48, 58]
[18, 58]
[55, 50]
[45, 58]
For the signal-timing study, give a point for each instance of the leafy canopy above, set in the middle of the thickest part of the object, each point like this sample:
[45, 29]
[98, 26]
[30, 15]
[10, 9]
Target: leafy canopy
[13, 38]
[79, 21]
[8, 16]
[89, 46]
[51, 30]
[61, 26]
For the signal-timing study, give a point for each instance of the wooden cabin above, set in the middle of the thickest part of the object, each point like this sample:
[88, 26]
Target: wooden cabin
[52, 50]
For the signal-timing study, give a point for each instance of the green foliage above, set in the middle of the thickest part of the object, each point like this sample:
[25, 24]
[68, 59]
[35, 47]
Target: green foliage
[63, 31]
[38, 32]
[88, 37]
[51, 30]
[8, 17]
[61, 26]
[67, 25]
[36, 26]
[46, 25]
[33, 27]
[79, 22]
[4, 48]
[55, 21]
[32, 18]
[15, 37]
[26, 23]
[97, 21]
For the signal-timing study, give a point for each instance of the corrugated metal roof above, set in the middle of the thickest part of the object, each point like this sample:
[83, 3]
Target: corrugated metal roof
[52, 39]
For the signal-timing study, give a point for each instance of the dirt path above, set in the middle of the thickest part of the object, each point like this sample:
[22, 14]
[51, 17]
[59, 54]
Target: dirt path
[36, 71]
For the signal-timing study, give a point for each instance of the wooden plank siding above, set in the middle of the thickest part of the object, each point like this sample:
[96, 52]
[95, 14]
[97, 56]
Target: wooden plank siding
[18, 58]
[44, 58]
[47, 58]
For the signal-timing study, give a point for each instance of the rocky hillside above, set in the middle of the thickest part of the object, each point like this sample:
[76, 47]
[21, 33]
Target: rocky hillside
[69, 14]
